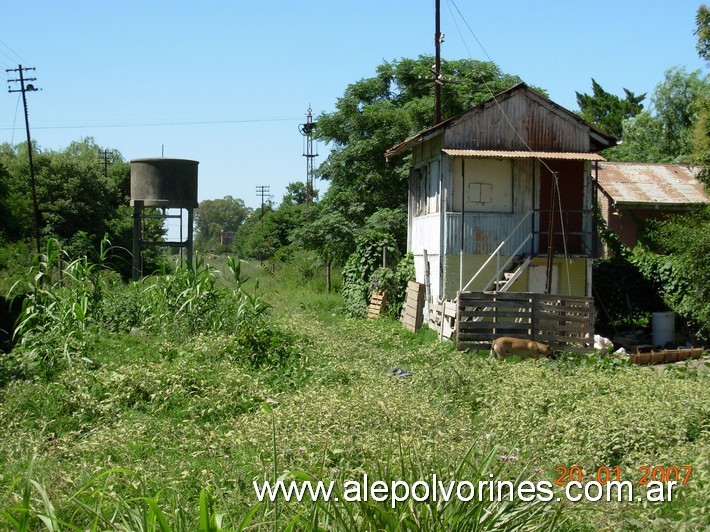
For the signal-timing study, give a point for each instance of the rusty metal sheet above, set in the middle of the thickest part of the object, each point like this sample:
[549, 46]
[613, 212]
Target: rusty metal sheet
[525, 154]
[641, 183]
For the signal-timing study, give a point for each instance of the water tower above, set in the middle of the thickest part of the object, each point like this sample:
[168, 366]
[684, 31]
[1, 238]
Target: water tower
[162, 184]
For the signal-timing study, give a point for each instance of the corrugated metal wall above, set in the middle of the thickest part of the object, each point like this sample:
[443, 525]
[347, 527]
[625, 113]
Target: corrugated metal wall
[484, 231]
[539, 126]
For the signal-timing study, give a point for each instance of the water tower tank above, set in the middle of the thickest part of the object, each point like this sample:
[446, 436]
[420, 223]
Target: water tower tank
[169, 183]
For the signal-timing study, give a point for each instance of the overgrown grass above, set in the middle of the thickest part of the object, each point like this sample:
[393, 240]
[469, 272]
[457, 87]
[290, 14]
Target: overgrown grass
[169, 429]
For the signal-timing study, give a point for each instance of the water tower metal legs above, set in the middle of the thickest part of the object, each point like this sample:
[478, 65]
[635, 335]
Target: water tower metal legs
[139, 244]
[188, 244]
[137, 239]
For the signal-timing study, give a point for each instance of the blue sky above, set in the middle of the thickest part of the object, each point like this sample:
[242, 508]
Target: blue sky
[228, 82]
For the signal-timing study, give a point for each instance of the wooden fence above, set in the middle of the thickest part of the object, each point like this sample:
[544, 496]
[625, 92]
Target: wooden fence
[564, 322]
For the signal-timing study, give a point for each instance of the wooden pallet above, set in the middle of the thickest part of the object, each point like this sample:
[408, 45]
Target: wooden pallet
[378, 304]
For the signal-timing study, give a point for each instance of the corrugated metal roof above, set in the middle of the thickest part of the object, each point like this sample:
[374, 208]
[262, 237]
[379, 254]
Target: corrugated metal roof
[654, 184]
[525, 154]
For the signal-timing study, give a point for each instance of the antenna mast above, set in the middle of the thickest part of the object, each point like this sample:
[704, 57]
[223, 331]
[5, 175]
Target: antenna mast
[307, 132]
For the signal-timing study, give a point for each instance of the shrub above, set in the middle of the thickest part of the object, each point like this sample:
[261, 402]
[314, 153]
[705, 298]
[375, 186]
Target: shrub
[362, 264]
[58, 307]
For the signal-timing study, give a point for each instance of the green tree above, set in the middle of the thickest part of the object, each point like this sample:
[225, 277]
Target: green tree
[607, 111]
[702, 30]
[73, 194]
[296, 193]
[376, 113]
[330, 235]
[641, 140]
[668, 133]
[701, 133]
[677, 101]
[7, 218]
[215, 216]
[261, 237]
[80, 200]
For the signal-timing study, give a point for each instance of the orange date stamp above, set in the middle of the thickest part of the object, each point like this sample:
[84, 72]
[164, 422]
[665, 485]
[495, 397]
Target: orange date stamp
[604, 474]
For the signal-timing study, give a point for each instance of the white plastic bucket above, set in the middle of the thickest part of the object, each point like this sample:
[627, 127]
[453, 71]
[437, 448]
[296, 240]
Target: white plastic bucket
[663, 328]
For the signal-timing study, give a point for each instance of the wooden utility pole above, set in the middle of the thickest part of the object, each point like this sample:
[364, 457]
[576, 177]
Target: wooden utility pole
[107, 159]
[263, 191]
[24, 89]
[438, 38]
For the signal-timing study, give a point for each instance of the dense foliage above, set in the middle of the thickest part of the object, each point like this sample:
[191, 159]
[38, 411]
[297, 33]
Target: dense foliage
[376, 113]
[607, 111]
[672, 257]
[216, 217]
[662, 272]
[83, 195]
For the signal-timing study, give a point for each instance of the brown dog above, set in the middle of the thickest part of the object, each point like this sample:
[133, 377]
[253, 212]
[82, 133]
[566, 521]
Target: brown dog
[522, 347]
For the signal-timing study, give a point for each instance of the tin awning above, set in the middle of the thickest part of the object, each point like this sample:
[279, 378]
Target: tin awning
[577, 156]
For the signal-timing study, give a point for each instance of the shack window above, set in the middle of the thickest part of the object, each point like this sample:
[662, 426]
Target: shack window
[424, 186]
[487, 185]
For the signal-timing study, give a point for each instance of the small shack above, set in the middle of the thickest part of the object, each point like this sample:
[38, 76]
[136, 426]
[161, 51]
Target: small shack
[501, 200]
[632, 193]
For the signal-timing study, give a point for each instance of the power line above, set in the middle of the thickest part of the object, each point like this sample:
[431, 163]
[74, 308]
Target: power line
[166, 123]
[488, 87]
[17, 56]
[554, 184]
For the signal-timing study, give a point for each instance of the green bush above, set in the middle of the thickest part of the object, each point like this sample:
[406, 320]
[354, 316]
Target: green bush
[362, 265]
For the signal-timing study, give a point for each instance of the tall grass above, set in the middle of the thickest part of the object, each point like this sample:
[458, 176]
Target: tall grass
[60, 298]
[66, 301]
[97, 505]
[164, 431]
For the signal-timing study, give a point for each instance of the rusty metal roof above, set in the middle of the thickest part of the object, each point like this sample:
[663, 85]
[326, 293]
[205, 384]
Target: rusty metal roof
[525, 154]
[651, 184]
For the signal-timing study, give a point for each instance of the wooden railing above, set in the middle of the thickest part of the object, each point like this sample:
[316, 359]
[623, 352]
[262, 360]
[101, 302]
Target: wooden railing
[564, 322]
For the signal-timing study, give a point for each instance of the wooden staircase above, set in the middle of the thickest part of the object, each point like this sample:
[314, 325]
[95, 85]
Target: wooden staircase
[506, 280]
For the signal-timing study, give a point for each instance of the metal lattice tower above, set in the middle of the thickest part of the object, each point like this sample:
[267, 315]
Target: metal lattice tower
[307, 132]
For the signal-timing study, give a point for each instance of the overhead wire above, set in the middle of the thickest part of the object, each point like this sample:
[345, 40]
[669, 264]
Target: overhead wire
[487, 85]
[14, 120]
[17, 56]
[187, 122]
[554, 178]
